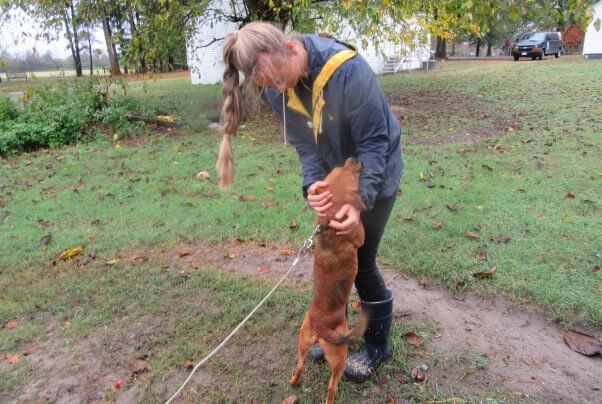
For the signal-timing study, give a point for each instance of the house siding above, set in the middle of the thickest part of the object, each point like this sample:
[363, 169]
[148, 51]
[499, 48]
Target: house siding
[592, 43]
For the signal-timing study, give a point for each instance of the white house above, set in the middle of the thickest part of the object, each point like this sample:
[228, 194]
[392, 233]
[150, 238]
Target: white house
[592, 43]
[204, 49]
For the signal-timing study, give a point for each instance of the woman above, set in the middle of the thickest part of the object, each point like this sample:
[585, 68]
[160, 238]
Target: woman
[334, 110]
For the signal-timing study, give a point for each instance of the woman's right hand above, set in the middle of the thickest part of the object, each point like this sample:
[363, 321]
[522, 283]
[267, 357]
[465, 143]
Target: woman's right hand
[320, 202]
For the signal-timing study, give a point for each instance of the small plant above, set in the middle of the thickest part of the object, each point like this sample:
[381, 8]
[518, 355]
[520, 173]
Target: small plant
[62, 113]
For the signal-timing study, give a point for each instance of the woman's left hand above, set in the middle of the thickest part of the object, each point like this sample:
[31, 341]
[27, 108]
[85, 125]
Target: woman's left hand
[352, 219]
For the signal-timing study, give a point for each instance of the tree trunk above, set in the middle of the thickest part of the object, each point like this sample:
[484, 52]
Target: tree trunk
[75, 55]
[478, 52]
[106, 28]
[440, 52]
[78, 60]
[488, 45]
[453, 51]
[90, 50]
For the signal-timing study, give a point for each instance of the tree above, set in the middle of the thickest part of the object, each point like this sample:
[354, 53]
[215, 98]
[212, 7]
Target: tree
[54, 16]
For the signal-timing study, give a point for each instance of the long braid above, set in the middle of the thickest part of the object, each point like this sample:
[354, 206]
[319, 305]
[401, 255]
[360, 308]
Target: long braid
[243, 51]
[231, 114]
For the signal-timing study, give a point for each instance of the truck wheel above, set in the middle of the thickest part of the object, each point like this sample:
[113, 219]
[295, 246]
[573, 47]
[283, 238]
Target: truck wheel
[542, 54]
[516, 58]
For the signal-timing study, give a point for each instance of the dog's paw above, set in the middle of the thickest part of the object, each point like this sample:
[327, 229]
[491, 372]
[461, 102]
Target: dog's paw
[295, 380]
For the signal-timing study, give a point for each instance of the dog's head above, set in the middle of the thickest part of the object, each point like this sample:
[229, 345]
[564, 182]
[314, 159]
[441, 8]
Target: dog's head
[344, 183]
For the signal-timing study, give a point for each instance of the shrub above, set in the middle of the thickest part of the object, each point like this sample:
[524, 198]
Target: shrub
[61, 113]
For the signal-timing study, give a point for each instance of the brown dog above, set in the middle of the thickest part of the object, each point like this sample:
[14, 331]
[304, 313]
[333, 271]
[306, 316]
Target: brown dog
[335, 267]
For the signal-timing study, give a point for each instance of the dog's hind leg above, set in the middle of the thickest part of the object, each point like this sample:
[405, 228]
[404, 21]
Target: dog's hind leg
[306, 339]
[336, 356]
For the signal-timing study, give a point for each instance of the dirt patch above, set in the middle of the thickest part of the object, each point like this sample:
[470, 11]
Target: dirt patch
[84, 370]
[473, 134]
[522, 352]
[425, 114]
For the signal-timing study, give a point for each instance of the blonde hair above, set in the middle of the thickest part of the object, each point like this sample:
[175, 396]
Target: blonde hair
[243, 51]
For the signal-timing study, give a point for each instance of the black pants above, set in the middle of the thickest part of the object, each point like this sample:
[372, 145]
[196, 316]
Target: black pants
[369, 283]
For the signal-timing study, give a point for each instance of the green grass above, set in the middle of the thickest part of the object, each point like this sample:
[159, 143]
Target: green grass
[514, 183]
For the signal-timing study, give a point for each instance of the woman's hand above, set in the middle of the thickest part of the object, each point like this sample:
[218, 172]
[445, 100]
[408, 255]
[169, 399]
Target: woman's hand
[352, 219]
[319, 202]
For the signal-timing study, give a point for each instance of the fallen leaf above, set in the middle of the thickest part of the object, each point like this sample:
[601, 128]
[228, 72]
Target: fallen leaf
[521, 190]
[487, 167]
[11, 324]
[451, 208]
[137, 365]
[29, 351]
[118, 384]
[570, 195]
[247, 198]
[230, 256]
[583, 343]
[13, 358]
[405, 219]
[484, 275]
[184, 274]
[188, 364]
[46, 239]
[196, 265]
[269, 188]
[268, 203]
[355, 304]
[113, 261]
[471, 234]
[502, 238]
[183, 253]
[413, 339]
[202, 175]
[66, 325]
[286, 252]
[447, 247]
[418, 373]
[293, 224]
[71, 252]
[290, 400]
[263, 269]
[437, 225]
[88, 258]
[483, 256]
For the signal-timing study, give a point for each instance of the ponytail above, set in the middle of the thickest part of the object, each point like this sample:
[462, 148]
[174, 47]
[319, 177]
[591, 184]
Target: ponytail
[231, 114]
[241, 52]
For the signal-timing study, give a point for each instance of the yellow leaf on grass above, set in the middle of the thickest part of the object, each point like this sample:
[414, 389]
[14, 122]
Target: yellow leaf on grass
[71, 252]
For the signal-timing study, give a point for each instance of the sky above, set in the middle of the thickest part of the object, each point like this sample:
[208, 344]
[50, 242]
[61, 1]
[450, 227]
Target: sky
[18, 36]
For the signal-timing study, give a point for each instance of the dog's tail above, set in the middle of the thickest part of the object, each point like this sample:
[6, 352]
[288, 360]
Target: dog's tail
[354, 334]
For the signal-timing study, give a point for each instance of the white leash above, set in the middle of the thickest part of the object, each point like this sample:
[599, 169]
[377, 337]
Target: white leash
[306, 246]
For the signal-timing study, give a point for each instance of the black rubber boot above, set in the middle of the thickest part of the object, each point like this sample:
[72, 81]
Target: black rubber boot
[376, 349]
[316, 352]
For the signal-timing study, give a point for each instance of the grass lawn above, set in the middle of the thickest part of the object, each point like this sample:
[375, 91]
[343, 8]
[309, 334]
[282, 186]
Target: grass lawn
[508, 151]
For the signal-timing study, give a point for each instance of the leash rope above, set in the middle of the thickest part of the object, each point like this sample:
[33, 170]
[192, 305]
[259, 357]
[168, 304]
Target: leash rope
[306, 246]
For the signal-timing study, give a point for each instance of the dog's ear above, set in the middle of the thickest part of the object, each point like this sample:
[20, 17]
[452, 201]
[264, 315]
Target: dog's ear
[356, 202]
[315, 191]
[353, 164]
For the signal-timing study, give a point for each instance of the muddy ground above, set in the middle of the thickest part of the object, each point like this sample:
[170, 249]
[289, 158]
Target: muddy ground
[526, 354]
